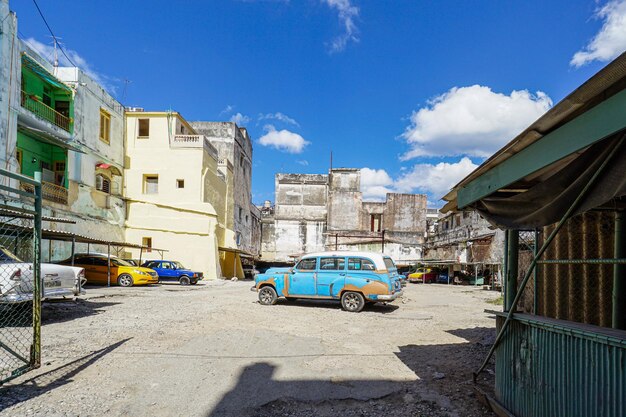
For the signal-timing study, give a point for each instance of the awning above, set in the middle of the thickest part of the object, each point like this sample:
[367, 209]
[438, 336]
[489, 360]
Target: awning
[51, 139]
[38, 69]
[115, 170]
[532, 181]
[235, 250]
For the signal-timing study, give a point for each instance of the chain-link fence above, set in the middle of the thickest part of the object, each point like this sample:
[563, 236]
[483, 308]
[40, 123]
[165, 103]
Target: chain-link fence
[570, 282]
[20, 300]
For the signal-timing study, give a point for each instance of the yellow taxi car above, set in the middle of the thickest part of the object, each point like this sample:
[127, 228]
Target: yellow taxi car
[425, 275]
[123, 273]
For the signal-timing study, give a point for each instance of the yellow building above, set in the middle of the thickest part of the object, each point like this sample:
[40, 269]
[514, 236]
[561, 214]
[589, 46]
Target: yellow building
[176, 193]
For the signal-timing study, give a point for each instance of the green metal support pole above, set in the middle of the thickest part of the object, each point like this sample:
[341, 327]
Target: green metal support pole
[535, 274]
[619, 273]
[505, 264]
[512, 268]
[37, 287]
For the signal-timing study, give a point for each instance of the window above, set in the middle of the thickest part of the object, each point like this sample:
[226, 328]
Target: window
[180, 183]
[240, 160]
[307, 264]
[360, 264]
[389, 264]
[105, 126]
[19, 155]
[147, 242]
[150, 184]
[376, 222]
[103, 183]
[240, 213]
[99, 261]
[332, 264]
[144, 128]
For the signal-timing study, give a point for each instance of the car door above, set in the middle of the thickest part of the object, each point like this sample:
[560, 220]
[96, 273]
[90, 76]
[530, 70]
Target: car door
[332, 271]
[302, 279]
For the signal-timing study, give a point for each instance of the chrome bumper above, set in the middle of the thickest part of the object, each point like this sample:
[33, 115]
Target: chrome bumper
[389, 297]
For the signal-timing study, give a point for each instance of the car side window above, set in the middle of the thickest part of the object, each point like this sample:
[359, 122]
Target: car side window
[99, 261]
[307, 264]
[332, 264]
[360, 264]
[152, 265]
[166, 265]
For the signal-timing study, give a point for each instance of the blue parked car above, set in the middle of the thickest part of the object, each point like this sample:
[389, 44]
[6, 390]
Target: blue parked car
[174, 271]
[354, 278]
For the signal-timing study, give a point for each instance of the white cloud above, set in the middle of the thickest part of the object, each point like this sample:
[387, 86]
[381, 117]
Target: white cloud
[375, 184]
[303, 162]
[472, 121]
[283, 140]
[240, 119]
[280, 117]
[227, 110]
[435, 180]
[47, 51]
[347, 14]
[610, 41]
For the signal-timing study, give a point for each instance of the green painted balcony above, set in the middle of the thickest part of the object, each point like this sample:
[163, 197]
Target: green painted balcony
[31, 102]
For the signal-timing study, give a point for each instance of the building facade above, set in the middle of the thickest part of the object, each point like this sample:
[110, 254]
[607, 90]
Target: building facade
[175, 191]
[234, 148]
[51, 121]
[315, 212]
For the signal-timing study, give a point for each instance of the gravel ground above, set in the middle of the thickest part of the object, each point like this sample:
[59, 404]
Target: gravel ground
[212, 350]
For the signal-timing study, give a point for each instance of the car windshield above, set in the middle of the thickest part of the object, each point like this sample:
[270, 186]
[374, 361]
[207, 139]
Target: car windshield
[389, 264]
[120, 262]
[178, 265]
[7, 257]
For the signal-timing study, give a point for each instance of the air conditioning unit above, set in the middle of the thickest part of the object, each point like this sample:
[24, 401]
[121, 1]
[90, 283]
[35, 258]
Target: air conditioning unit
[134, 109]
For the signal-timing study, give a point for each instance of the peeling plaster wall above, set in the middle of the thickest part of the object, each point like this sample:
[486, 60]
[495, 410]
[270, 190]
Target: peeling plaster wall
[10, 68]
[234, 144]
[345, 201]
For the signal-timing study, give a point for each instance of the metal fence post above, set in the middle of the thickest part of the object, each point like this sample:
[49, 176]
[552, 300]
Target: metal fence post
[512, 268]
[37, 287]
[619, 274]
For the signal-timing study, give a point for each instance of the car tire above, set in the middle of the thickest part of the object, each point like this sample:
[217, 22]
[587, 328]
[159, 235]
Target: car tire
[268, 296]
[184, 280]
[352, 301]
[125, 280]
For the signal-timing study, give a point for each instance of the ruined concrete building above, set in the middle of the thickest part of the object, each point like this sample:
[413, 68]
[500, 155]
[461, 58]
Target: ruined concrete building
[315, 212]
[235, 157]
[465, 238]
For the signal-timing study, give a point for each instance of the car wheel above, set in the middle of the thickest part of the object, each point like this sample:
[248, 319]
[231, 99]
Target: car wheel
[352, 301]
[184, 280]
[267, 296]
[125, 280]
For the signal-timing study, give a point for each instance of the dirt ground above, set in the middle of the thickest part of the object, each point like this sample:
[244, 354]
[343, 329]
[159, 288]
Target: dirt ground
[212, 350]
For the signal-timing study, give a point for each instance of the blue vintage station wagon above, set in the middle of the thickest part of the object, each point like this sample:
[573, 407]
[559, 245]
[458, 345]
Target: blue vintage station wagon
[354, 278]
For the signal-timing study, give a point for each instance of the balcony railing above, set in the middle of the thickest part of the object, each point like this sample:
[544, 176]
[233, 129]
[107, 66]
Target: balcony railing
[194, 141]
[31, 103]
[49, 191]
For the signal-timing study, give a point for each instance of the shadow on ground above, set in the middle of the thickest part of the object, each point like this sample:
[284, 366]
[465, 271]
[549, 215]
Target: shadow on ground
[334, 304]
[59, 311]
[47, 381]
[443, 387]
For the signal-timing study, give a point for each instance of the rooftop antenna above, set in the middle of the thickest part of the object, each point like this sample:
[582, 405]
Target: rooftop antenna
[126, 82]
[331, 160]
[55, 62]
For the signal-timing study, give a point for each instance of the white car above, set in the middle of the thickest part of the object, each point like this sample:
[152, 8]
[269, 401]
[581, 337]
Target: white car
[16, 279]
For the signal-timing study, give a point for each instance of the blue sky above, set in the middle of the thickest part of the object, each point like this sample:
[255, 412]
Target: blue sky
[417, 92]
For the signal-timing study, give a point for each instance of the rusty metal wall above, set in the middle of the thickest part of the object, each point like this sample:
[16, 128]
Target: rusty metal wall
[548, 369]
